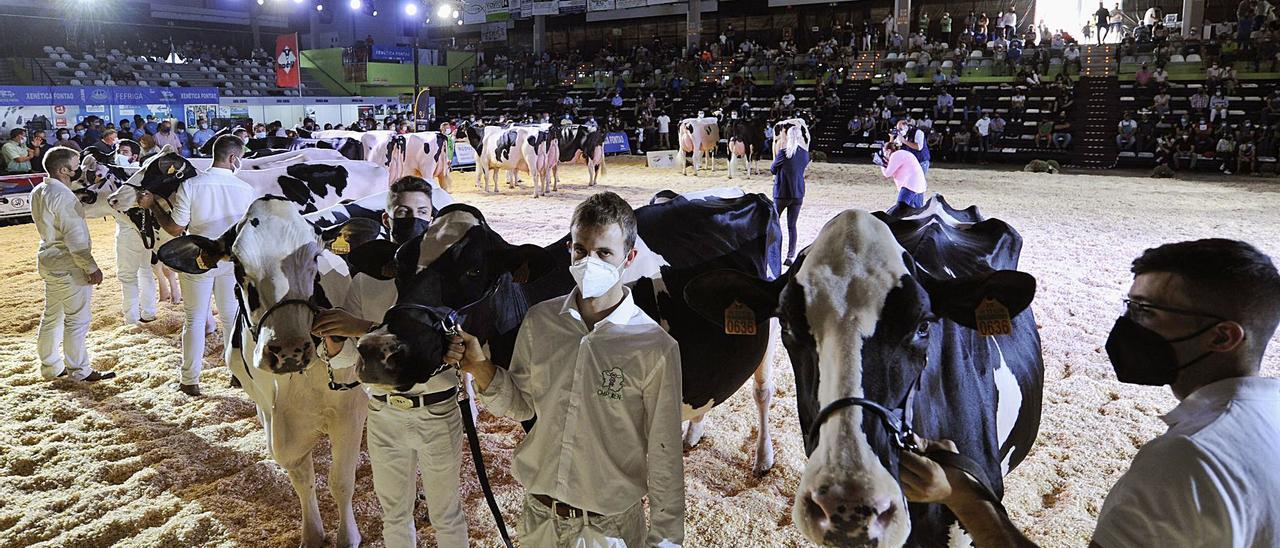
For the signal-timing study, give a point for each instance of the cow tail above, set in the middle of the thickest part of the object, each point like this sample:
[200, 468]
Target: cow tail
[680, 157]
[599, 153]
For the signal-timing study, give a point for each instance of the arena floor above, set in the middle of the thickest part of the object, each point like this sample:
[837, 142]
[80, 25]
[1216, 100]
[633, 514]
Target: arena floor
[129, 462]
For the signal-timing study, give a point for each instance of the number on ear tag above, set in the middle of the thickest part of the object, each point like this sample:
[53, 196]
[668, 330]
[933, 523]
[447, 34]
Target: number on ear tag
[200, 262]
[739, 319]
[340, 246]
[992, 318]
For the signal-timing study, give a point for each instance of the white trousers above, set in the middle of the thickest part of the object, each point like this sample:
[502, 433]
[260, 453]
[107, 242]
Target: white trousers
[67, 312]
[542, 528]
[137, 281]
[403, 441]
[196, 290]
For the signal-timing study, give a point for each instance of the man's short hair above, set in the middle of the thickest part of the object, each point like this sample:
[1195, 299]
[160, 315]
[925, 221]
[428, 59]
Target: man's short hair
[1231, 278]
[603, 209]
[133, 146]
[108, 133]
[15, 132]
[61, 157]
[225, 145]
[408, 183]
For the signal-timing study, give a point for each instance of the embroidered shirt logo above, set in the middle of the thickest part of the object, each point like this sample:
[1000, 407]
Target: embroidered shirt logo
[610, 384]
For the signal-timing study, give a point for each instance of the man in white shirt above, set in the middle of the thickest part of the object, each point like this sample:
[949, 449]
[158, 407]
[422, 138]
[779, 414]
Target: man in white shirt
[65, 263]
[983, 127]
[1198, 318]
[603, 380]
[419, 429]
[664, 131]
[133, 259]
[206, 205]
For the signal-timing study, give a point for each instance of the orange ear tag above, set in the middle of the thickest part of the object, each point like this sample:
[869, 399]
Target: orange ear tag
[992, 318]
[340, 246]
[739, 319]
[200, 262]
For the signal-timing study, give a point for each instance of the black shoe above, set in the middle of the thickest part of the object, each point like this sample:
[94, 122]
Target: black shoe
[235, 382]
[99, 376]
[192, 390]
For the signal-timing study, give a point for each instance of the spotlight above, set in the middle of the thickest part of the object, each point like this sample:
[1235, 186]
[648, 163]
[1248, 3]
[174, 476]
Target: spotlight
[375, 13]
[443, 10]
[459, 22]
[297, 1]
[455, 14]
[356, 4]
[411, 9]
[319, 7]
[260, 2]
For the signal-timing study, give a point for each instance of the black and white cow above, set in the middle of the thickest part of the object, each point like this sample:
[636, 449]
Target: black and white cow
[884, 307]
[697, 139]
[282, 159]
[462, 264]
[579, 142]
[310, 187]
[283, 274]
[422, 154]
[499, 148]
[746, 141]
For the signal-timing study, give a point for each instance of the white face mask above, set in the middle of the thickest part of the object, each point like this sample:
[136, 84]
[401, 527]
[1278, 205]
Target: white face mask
[594, 276]
[236, 166]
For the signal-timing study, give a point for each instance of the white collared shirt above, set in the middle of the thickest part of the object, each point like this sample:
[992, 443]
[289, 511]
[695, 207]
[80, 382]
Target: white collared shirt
[369, 299]
[209, 203]
[64, 235]
[608, 406]
[1211, 480]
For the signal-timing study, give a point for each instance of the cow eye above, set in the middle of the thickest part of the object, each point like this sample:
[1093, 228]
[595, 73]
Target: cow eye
[922, 329]
[473, 274]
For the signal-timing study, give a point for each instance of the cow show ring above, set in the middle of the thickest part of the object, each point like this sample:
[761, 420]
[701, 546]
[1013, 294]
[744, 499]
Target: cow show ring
[131, 462]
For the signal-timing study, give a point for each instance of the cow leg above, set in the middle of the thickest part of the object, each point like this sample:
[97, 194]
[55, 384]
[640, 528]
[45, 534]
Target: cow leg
[295, 456]
[162, 282]
[764, 396]
[694, 430]
[345, 448]
[732, 158]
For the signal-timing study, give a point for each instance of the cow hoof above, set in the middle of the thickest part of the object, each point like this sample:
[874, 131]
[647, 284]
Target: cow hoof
[763, 464]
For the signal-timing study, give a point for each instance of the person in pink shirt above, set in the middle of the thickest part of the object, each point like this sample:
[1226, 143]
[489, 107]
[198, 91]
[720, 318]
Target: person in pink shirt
[166, 136]
[903, 167]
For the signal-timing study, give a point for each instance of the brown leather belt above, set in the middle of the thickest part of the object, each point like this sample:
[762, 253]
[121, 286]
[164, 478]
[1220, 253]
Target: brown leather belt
[563, 510]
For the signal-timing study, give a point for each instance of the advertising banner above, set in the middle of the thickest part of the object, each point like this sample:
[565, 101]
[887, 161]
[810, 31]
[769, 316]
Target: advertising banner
[102, 95]
[545, 8]
[573, 6]
[616, 142]
[600, 5]
[288, 73]
[628, 4]
[391, 54]
[494, 32]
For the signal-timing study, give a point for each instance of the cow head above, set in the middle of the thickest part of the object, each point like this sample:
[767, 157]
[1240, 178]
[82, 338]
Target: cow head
[474, 133]
[796, 131]
[274, 251]
[96, 180]
[459, 265]
[858, 320]
[160, 175]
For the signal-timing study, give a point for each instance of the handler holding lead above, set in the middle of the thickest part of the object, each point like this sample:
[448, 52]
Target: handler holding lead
[603, 380]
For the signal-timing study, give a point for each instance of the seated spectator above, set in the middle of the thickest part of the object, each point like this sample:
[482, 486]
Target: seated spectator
[1072, 57]
[972, 103]
[1017, 105]
[1161, 103]
[1271, 108]
[1202, 132]
[1200, 102]
[1062, 133]
[939, 78]
[65, 139]
[900, 78]
[1127, 134]
[1225, 152]
[1246, 156]
[1160, 77]
[1143, 76]
[17, 157]
[1218, 106]
[997, 130]
[961, 143]
[1230, 78]
[1044, 133]
[944, 104]
[855, 125]
[1146, 131]
[1213, 75]
[1165, 149]
[1033, 79]
[1184, 149]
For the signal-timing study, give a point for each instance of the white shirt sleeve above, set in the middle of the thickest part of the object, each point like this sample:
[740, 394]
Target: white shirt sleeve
[1172, 495]
[662, 402]
[181, 213]
[504, 395]
[74, 230]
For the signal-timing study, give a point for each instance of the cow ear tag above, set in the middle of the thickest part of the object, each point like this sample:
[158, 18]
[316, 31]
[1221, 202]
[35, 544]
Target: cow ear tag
[340, 245]
[200, 262]
[992, 318]
[739, 319]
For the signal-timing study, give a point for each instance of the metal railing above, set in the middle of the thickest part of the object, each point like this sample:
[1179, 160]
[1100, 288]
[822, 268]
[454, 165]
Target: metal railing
[459, 73]
[326, 74]
[39, 76]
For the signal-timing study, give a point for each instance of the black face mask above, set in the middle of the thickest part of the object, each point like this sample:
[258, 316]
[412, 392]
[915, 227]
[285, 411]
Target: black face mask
[1141, 356]
[404, 229]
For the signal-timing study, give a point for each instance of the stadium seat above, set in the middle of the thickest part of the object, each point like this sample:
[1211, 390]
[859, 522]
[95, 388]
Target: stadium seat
[147, 68]
[173, 84]
[47, 49]
[1128, 60]
[78, 73]
[55, 57]
[60, 49]
[115, 51]
[88, 57]
[975, 54]
[948, 64]
[911, 65]
[1176, 58]
[98, 83]
[75, 82]
[67, 57]
[111, 82]
[1193, 58]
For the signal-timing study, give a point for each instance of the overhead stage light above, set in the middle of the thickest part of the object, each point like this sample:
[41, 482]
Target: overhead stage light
[319, 7]
[443, 10]
[455, 14]
[411, 9]
[355, 5]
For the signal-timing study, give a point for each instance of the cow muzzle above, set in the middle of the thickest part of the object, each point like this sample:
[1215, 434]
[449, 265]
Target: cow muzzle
[287, 355]
[841, 514]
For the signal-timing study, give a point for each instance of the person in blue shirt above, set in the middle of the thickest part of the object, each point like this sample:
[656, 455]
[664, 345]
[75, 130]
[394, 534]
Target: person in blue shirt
[151, 126]
[788, 182]
[203, 134]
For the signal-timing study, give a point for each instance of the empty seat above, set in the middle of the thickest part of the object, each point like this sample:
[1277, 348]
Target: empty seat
[1193, 58]
[75, 82]
[47, 49]
[1176, 58]
[79, 74]
[115, 51]
[111, 82]
[98, 82]
[60, 49]
[975, 54]
[948, 64]
[88, 57]
[147, 68]
[173, 84]
[67, 57]
[83, 66]
[1127, 60]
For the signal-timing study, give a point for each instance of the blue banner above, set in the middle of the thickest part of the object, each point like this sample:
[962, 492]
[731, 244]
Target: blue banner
[616, 142]
[103, 95]
[391, 53]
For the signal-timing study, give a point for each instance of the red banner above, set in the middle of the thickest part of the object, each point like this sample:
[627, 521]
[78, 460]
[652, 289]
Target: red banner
[288, 73]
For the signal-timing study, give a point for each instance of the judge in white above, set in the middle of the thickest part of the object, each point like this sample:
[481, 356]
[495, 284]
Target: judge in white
[205, 205]
[65, 263]
[417, 429]
[603, 380]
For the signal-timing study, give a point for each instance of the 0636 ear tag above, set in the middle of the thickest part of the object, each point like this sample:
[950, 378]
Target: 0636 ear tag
[992, 318]
[739, 319]
[340, 245]
[201, 263]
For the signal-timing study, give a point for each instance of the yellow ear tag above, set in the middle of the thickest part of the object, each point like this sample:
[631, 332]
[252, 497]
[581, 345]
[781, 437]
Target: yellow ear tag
[739, 319]
[992, 318]
[172, 170]
[200, 262]
[340, 246]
